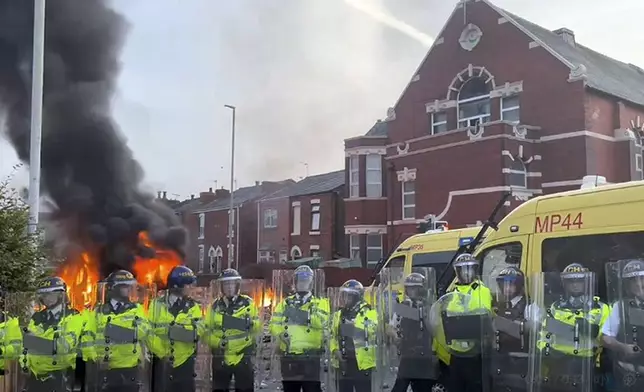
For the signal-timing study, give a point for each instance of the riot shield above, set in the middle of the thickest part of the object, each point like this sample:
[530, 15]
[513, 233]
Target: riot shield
[354, 347]
[625, 280]
[233, 329]
[564, 320]
[177, 341]
[505, 341]
[407, 339]
[298, 328]
[49, 329]
[121, 332]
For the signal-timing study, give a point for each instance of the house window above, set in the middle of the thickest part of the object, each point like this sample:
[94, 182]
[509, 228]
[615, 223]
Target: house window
[408, 200]
[473, 103]
[439, 123]
[214, 259]
[202, 225]
[354, 176]
[264, 256]
[510, 108]
[315, 217]
[296, 253]
[283, 255]
[374, 175]
[354, 246]
[297, 218]
[518, 174]
[639, 166]
[201, 258]
[374, 248]
[270, 218]
[315, 253]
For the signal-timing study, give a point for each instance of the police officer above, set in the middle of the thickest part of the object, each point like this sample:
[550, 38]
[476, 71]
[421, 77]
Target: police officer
[509, 344]
[298, 326]
[10, 337]
[418, 365]
[115, 332]
[624, 323]
[232, 326]
[353, 340]
[51, 340]
[570, 331]
[466, 363]
[175, 319]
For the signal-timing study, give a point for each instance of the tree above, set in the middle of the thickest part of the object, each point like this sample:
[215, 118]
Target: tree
[22, 254]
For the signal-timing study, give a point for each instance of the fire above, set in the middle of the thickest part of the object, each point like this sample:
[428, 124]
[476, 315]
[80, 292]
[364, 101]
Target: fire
[268, 298]
[81, 276]
[155, 271]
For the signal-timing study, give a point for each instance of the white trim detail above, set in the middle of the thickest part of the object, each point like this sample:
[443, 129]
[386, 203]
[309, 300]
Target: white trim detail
[569, 135]
[478, 191]
[365, 151]
[294, 249]
[439, 105]
[508, 89]
[315, 201]
[295, 204]
[314, 247]
[505, 170]
[406, 174]
[536, 157]
[405, 222]
[439, 41]
[502, 20]
[365, 229]
[314, 233]
[364, 198]
[556, 184]
[415, 78]
[533, 44]
[366, 137]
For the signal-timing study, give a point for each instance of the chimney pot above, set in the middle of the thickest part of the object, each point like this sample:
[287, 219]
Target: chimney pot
[566, 34]
[158, 194]
[192, 196]
[165, 194]
[210, 189]
[256, 183]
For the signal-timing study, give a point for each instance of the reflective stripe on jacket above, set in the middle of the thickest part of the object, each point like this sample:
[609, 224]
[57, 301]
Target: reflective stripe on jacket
[304, 335]
[11, 338]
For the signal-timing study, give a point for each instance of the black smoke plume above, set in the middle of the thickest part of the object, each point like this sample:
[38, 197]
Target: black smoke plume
[88, 171]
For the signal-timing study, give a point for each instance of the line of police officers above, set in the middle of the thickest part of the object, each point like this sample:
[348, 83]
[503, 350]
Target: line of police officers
[559, 338]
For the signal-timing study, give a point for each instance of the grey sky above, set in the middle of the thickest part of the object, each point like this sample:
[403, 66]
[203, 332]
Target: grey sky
[304, 74]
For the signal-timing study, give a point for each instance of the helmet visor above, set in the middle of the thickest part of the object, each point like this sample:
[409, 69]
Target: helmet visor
[466, 273]
[230, 288]
[509, 286]
[635, 285]
[348, 297]
[575, 286]
[51, 298]
[303, 281]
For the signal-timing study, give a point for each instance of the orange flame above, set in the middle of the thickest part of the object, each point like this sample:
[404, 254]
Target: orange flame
[81, 276]
[268, 298]
[155, 271]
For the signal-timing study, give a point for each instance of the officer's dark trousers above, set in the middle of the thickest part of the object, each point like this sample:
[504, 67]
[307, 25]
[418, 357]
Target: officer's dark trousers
[60, 381]
[566, 373]
[121, 380]
[301, 373]
[243, 372]
[415, 372]
[173, 379]
[465, 373]
[353, 379]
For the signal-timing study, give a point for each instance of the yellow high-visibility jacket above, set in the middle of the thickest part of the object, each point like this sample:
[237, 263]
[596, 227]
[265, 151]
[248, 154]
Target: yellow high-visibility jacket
[364, 339]
[303, 335]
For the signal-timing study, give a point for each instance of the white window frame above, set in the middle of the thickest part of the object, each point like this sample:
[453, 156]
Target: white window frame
[297, 219]
[473, 121]
[523, 172]
[201, 258]
[354, 167]
[295, 250]
[374, 158]
[315, 252]
[270, 218]
[639, 165]
[406, 193]
[283, 256]
[202, 226]
[511, 108]
[354, 246]
[264, 256]
[315, 223]
[438, 123]
[379, 248]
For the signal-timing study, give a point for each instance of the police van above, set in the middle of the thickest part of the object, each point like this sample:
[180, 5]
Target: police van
[595, 225]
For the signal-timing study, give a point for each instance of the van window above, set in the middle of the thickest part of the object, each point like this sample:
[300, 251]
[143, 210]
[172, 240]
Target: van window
[396, 262]
[592, 251]
[436, 260]
[496, 259]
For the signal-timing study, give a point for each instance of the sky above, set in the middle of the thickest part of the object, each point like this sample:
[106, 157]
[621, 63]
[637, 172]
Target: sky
[303, 74]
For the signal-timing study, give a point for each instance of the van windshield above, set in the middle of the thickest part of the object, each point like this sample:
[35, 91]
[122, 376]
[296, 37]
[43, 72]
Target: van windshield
[436, 260]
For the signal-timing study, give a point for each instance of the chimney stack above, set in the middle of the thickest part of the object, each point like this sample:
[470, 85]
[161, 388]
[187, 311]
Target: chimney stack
[158, 194]
[256, 183]
[192, 196]
[165, 195]
[566, 34]
[207, 197]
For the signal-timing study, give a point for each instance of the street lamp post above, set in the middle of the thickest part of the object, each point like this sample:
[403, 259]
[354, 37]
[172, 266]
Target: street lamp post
[232, 183]
[38, 65]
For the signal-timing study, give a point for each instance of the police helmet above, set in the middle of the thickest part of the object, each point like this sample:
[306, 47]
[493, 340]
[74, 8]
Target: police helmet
[181, 276]
[575, 271]
[415, 285]
[120, 278]
[466, 268]
[51, 285]
[511, 274]
[633, 268]
[352, 292]
[575, 279]
[229, 282]
[303, 279]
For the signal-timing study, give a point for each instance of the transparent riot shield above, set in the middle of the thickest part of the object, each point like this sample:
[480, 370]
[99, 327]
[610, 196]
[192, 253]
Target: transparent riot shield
[177, 340]
[298, 328]
[506, 339]
[233, 329]
[45, 356]
[564, 320]
[121, 332]
[626, 283]
[354, 348]
[407, 339]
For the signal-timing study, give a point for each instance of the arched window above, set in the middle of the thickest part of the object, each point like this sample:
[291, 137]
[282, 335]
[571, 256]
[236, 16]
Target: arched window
[296, 253]
[214, 258]
[518, 174]
[473, 102]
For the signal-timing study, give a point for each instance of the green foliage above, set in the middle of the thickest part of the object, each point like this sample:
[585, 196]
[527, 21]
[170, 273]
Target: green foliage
[22, 255]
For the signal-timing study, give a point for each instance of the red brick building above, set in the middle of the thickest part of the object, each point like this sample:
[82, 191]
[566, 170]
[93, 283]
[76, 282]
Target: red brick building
[303, 220]
[498, 104]
[206, 219]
